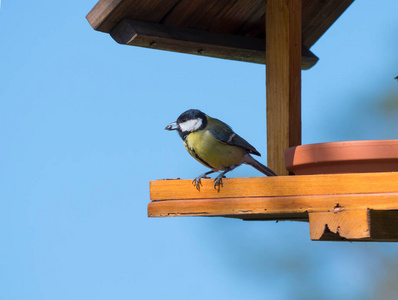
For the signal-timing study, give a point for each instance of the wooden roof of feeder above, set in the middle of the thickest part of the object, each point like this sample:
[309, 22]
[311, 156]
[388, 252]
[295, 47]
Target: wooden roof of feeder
[340, 207]
[231, 29]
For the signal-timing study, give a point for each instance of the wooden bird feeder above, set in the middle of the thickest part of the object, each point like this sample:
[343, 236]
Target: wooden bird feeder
[278, 33]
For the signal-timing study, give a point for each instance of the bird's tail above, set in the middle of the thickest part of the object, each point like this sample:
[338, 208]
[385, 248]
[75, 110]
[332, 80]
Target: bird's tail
[259, 166]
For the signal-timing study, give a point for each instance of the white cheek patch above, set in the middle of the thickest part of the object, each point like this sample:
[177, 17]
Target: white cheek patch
[191, 125]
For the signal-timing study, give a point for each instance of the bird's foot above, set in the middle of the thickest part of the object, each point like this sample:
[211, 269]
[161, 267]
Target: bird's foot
[218, 184]
[197, 182]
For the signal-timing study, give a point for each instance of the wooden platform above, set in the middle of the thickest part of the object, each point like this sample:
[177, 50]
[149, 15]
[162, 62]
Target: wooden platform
[356, 207]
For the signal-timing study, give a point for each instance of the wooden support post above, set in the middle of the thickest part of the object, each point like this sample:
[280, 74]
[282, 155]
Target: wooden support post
[283, 79]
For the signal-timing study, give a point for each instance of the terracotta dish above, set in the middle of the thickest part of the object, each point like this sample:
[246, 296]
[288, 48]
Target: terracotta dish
[343, 157]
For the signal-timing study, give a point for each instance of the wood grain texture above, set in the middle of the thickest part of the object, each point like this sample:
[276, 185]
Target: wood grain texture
[240, 17]
[225, 16]
[283, 80]
[360, 225]
[275, 208]
[319, 16]
[344, 225]
[106, 14]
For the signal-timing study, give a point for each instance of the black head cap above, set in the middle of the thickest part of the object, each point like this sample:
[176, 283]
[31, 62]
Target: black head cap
[191, 114]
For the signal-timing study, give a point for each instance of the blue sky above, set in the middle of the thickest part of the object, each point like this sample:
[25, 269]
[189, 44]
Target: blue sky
[82, 128]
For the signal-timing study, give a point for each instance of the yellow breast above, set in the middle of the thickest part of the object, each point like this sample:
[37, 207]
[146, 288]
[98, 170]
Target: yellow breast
[211, 152]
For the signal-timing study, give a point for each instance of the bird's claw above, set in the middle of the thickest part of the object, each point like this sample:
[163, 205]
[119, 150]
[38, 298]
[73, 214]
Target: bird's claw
[197, 182]
[218, 184]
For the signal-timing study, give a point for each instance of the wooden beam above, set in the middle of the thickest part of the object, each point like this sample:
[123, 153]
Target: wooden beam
[186, 40]
[283, 79]
[198, 42]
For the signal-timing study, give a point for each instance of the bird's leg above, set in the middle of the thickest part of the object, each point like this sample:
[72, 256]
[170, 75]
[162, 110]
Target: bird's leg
[197, 182]
[218, 180]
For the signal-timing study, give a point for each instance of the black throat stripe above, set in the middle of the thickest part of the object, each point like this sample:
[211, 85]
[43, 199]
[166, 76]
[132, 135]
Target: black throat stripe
[198, 157]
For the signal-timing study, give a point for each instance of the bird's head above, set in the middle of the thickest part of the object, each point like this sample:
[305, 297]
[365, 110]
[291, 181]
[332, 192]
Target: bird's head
[189, 121]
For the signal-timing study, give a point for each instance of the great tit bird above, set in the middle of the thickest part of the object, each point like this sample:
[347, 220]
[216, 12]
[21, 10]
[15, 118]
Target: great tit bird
[214, 144]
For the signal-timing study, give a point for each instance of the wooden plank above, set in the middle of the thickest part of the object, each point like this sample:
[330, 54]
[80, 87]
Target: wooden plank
[192, 41]
[265, 208]
[283, 79]
[280, 186]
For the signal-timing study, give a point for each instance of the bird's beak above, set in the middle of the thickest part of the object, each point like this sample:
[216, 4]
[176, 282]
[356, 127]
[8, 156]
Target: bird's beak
[170, 126]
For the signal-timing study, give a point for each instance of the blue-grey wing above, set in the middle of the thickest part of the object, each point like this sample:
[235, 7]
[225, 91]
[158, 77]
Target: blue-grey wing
[225, 134]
